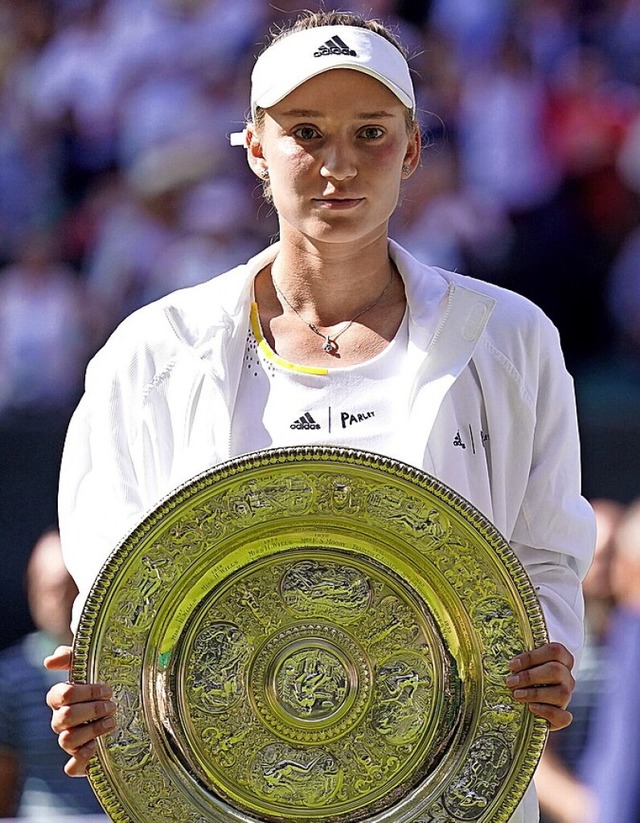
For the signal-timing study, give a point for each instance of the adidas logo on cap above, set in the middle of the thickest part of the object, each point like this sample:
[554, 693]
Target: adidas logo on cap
[334, 46]
[305, 422]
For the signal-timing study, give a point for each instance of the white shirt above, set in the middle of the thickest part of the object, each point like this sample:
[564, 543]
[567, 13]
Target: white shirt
[284, 404]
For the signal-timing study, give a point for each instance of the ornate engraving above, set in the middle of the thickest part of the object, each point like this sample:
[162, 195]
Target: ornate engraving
[338, 494]
[299, 777]
[147, 582]
[504, 713]
[214, 675]
[403, 700]
[495, 617]
[289, 496]
[130, 743]
[311, 684]
[226, 743]
[481, 778]
[312, 587]
[370, 763]
[389, 502]
[308, 673]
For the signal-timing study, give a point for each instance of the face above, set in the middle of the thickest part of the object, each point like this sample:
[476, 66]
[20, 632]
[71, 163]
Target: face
[51, 590]
[597, 583]
[334, 149]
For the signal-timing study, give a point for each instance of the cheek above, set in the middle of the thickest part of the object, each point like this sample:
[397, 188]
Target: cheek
[290, 174]
[289, 163]
[389, 157]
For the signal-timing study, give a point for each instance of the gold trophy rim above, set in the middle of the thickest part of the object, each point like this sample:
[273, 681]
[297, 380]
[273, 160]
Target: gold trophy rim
[119, 791]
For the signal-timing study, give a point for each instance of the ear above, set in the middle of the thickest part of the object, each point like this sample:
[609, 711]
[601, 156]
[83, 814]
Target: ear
[255, 155]
[412, 154]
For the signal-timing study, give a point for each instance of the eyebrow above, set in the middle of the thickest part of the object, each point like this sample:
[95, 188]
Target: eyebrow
[363, 115]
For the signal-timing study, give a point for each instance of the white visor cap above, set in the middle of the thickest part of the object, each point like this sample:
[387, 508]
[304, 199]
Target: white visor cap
[298, 57]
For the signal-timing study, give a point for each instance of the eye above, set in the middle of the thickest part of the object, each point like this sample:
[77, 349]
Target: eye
[305, 132]
[371, 132]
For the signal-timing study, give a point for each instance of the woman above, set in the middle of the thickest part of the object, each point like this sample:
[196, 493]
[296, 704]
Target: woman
[456, 376]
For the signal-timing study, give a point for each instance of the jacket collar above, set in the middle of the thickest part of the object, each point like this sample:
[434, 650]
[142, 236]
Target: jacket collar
[447, 317]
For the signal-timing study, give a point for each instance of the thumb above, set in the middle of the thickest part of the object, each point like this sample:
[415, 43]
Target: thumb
[59, 660]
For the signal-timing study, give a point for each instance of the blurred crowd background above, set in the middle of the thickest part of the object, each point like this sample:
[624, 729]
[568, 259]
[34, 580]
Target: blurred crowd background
[118, 184]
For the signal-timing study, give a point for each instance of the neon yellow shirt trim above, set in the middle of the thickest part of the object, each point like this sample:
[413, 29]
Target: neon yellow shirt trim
[268, 352]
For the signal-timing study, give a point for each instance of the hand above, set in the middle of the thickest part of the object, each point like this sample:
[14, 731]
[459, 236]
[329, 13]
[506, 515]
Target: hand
[542, 678]
[81, 713]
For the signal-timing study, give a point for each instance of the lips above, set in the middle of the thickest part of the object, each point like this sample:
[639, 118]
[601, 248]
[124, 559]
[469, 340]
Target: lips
[338, 203]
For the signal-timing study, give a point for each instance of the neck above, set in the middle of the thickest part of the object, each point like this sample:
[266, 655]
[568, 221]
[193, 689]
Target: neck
[330, 285]
[318, 309]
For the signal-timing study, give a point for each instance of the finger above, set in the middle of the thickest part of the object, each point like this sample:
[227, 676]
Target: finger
[70, 717]
[76, 766]
[74, 739]
[557, 696]
[547, 674]
[59, 660]
[543, 654]
[558, 718]
[68, 694]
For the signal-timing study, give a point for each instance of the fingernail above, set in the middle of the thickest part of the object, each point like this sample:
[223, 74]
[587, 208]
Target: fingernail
[513, 680]
[108, 707]
[519, 694]
[109, 723]
[105, 692]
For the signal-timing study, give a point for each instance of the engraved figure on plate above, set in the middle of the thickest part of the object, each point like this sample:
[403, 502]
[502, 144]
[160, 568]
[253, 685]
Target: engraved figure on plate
[501, 637]
[312, 587]
[216, 667]
[312, 684]
[304, 778]
[402, 698]
[484, 771]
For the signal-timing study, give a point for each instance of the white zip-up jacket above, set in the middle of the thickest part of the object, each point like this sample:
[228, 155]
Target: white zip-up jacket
[492, 415]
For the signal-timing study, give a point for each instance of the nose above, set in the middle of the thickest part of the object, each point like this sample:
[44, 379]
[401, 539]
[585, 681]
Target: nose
[338, 162]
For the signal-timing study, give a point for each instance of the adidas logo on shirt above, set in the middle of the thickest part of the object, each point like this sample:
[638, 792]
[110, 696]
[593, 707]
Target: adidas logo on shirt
[305, 422]
[334, 46]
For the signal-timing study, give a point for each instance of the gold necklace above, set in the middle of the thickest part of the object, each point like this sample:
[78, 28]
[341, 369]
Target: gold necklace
[330, 345]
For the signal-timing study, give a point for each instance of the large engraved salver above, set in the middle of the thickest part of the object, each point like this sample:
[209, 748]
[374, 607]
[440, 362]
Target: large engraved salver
[312, 634]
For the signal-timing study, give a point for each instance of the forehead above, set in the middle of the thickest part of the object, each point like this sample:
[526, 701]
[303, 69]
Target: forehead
[341, 90]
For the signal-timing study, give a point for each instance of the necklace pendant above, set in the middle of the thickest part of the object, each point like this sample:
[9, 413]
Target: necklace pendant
[329, 345]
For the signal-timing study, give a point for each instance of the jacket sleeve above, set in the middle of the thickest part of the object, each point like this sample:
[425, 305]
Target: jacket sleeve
[554, 533]
[99, 494]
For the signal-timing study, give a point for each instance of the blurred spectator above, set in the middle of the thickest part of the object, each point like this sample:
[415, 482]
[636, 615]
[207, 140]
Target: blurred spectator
[590, 112]
[474, 27]
[623, 285]
[29, 191]
[628, 158]
[445, 224]
[181, 72]
[75, 87]
[218, 235]
[139, 227]
[43, 329]
[612, 761]
[33, 784]
[619, 35]
[550, 29]
[439, 78]
[624, 294]
[501, 126]
[563, 796]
